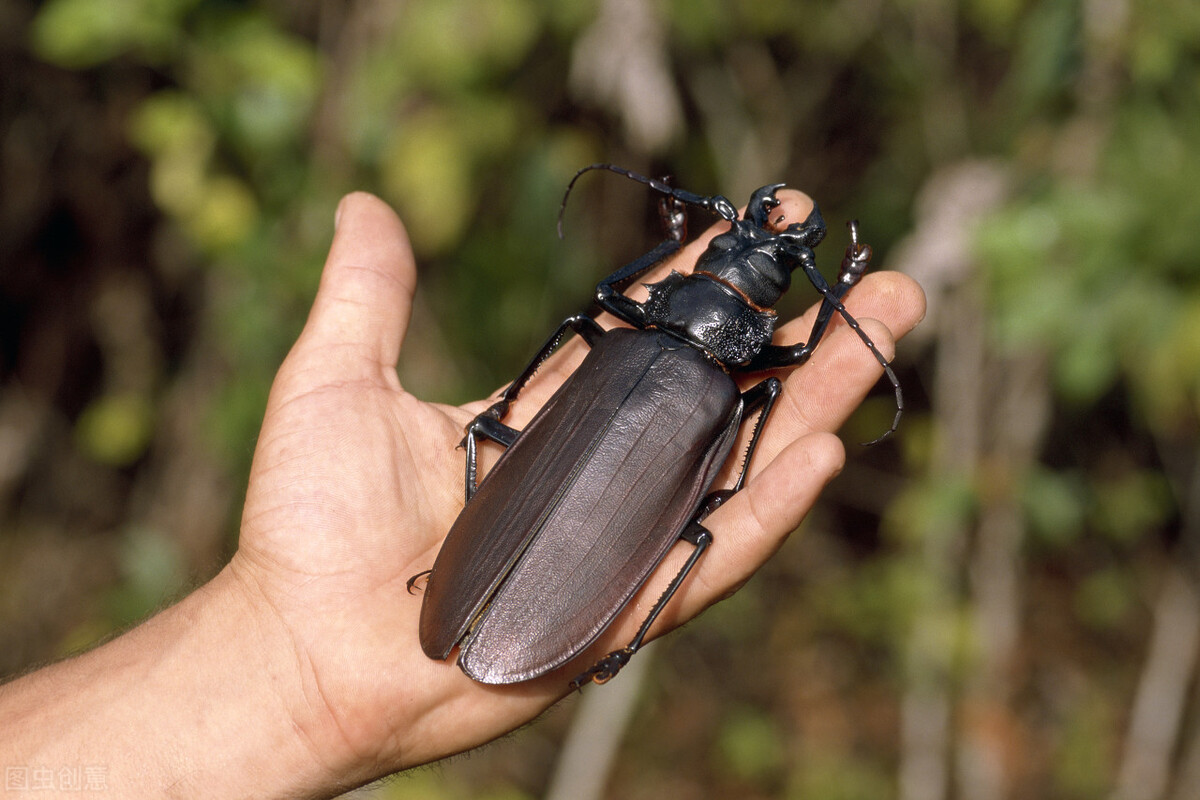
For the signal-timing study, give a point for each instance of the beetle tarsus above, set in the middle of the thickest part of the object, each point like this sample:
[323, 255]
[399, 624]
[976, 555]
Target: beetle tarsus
[412, 582]
[857, 258]
[673, 214]
[605, 669]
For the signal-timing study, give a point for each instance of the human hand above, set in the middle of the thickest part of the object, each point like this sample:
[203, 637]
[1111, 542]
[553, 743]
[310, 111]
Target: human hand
[355, 483]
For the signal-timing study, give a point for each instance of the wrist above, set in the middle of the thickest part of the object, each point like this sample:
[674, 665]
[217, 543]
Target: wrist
[266, 696]
[203, 700]
[278, 662]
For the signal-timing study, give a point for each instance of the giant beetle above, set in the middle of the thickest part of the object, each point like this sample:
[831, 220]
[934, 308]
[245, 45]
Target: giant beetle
[618, 465]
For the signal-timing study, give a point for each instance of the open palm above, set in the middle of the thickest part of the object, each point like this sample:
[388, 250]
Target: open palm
[355, 483]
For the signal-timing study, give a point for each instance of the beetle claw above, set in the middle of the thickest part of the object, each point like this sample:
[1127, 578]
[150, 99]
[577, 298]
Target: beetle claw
[857, 258]
[605, 669]
[412, 582]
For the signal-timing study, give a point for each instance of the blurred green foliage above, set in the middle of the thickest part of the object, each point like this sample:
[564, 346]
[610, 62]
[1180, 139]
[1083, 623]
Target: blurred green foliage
[830, 777]
[253, 118]
[116, 429]
[153, 570]
[1089, 736]
[751, 745]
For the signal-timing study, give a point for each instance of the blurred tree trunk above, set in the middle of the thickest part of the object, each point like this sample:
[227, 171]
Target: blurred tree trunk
[993, 414]
[1157, 715]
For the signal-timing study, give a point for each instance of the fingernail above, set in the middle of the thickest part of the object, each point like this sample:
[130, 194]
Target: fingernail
[337, 214]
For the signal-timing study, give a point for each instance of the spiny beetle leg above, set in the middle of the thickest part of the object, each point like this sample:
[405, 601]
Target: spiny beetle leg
[854, 265]
[583, 325]
[488, 425]
[611, 664]
[777, 356]
[609, 291]
[762, 394]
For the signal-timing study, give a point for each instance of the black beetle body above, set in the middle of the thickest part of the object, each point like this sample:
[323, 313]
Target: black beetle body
[641, 411]
[619, 463]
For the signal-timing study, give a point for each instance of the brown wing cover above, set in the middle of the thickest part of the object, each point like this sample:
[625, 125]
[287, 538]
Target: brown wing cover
[581, 508]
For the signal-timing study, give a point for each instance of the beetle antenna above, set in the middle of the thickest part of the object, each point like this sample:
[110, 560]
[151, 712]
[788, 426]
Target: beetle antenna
[835, 301]
[887, 365]
[716, 203]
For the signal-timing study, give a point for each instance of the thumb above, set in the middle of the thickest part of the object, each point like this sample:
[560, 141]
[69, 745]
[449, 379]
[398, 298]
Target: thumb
[364, 300]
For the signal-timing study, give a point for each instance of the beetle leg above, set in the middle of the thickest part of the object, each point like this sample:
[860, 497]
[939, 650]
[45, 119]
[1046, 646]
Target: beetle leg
[488, 425]
[609, 291]
[776, 356]
[762, 395]
[582, 324]
[604, 669]
[854, 265]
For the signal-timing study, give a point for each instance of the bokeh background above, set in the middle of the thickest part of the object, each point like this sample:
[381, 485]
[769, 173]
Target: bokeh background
[1000, 602]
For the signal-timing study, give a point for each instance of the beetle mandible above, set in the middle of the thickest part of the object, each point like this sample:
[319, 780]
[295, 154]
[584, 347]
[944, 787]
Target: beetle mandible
[618, 465]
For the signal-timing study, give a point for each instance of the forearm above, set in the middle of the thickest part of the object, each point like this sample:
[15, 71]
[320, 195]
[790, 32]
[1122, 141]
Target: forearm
[199, 701]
